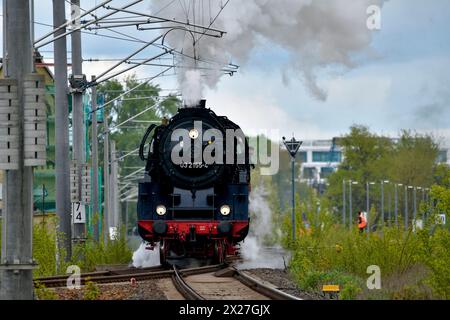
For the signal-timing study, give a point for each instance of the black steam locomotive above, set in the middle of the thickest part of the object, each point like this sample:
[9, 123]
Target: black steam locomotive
[193, 199]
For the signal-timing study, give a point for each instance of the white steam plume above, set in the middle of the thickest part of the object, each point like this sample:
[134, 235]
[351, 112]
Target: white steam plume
[254, 251]
[143, 258]
[315, 34]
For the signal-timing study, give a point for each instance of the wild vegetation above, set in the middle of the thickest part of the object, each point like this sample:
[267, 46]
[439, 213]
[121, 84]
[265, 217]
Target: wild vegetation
[413, 262]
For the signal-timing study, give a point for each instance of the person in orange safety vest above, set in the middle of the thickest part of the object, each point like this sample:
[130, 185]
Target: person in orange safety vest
[362, 221]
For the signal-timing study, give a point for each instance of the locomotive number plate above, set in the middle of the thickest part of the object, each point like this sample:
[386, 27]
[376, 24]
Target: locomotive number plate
[193, 165]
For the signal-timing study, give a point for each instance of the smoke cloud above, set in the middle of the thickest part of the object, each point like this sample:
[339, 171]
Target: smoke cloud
[254, 249]
[143, 258]
[315, 34]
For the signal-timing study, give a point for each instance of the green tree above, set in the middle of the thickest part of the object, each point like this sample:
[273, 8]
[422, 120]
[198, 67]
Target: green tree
[366, 159]
[413, 160]
[441, 175]
[371, 158]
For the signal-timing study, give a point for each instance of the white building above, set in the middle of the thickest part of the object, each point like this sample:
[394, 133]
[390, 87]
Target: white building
[319, 158]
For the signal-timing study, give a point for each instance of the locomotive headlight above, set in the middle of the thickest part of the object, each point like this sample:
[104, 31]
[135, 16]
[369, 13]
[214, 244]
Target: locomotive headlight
[193, 134]
[225, 210]
[161, 210]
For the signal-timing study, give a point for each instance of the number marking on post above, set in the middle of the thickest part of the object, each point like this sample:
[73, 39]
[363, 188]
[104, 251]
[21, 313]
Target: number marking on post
[78, 212]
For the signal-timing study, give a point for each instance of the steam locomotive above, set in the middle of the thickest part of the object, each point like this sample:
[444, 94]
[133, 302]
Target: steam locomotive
[197, 206]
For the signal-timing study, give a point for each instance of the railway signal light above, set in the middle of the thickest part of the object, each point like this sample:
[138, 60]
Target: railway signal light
[292, 147]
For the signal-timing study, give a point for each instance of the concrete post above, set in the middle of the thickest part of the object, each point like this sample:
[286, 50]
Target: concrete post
[62, 157]
[16, 280]
[78, 151]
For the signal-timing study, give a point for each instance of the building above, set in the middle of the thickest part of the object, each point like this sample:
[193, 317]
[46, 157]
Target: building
[319, 158]
[444, 155]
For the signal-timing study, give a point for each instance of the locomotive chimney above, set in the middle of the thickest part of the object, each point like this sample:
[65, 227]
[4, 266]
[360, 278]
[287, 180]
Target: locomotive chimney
[201, 104]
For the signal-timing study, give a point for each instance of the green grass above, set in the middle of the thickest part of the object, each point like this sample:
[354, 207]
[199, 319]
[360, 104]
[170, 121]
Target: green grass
[413, 265]
[51, 260]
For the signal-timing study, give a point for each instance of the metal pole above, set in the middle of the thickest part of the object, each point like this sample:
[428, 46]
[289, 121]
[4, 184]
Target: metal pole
[415, 206]
[368, 207]
[62, 150]
[350, 212]
[95, 210]
[16, 278]
[106, 209]
[78, 153]
[423, 201]
[43, 205]
[126, 219]
[343, 202]
[113, 188]
[406, 207]
[396, 204]
[390, 206]
[382, 204]
[293, 197]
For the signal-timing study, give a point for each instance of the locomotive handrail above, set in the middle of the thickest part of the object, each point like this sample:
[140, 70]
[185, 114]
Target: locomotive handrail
[144, 139]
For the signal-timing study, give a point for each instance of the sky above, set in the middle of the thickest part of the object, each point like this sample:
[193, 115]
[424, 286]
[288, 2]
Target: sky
[402, 84]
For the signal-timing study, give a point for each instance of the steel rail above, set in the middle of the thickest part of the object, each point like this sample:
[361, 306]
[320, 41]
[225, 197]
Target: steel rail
[120, 275]
[100, 273]
[186, 291]
[111, 278]
[256, 285]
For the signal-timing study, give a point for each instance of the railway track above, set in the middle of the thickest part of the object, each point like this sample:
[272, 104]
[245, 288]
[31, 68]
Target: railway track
[236, 285]
[123, 275]
[215, 282]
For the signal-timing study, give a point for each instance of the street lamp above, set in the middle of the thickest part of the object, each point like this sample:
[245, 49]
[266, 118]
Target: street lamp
[406, 206]
[415, 206]
[382, 201]
[368, 205]
[396, 202]
[292, 147]
[350, 215]
[343, 202]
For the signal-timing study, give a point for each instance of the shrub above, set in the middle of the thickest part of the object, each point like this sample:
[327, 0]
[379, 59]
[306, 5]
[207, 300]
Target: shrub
[44, 293]
[92, 253]
[91, 291]
[330, 254]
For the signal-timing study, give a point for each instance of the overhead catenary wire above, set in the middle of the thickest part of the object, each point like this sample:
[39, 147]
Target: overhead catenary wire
[132, 89]
[81, 26]
[67, 23]
[129, 119]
